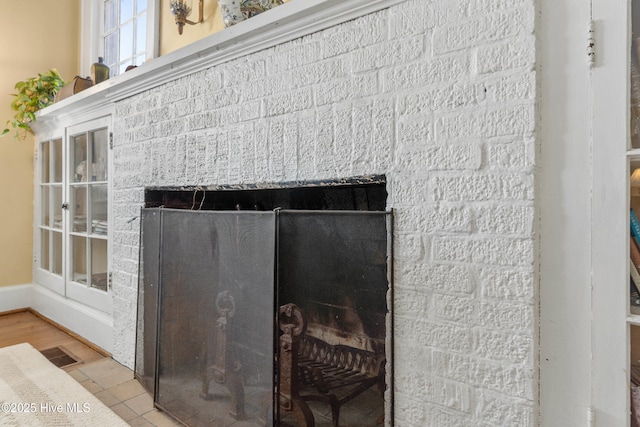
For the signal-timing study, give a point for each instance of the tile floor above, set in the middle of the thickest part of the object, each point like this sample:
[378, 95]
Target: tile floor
[115, 386]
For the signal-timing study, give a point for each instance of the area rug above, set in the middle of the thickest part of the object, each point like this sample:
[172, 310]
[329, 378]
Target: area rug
[33, 392]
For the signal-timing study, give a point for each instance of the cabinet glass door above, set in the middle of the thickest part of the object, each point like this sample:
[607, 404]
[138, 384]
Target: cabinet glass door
[88, 201]
[72, 215]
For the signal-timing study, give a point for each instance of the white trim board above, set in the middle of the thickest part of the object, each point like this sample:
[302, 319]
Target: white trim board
[92, 325]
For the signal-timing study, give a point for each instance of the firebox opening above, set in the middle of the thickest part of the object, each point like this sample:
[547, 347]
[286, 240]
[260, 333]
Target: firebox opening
[217, 264]
[358, 193]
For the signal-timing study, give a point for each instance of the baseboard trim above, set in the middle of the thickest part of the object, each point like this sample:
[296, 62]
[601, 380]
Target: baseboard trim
[15, 297]
[84, 323]
[67, 331]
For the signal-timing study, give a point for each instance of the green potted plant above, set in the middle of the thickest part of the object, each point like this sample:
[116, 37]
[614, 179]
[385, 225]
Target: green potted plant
[33, 94]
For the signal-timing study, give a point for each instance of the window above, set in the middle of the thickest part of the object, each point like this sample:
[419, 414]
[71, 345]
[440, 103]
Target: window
[123, 32]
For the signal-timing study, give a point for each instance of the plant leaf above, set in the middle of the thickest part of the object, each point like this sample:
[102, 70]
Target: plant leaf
[32, 95]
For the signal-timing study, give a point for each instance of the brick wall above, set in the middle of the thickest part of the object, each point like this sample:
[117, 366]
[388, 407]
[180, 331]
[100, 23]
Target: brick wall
[440, 97]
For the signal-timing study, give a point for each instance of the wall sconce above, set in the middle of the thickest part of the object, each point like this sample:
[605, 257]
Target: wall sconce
[180, 9]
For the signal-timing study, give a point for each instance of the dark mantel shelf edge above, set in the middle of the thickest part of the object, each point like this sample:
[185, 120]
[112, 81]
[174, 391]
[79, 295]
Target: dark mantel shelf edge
[279, 25]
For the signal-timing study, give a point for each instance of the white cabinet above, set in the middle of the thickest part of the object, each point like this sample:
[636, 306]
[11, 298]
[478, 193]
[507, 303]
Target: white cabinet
[72, 213]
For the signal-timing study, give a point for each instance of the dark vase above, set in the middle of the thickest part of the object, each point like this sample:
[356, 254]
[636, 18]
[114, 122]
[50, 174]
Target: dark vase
[99, 71]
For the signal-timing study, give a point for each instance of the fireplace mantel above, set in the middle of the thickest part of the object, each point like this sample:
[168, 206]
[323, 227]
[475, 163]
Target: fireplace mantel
[282, 24]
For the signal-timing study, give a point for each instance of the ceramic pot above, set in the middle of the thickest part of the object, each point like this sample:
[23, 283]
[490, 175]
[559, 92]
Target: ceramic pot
[254, 7]
[231, 13]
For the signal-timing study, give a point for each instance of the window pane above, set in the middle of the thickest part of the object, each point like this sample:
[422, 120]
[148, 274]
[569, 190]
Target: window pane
[57, 252]
[141, 5]
[44, 249]
[141, 34]
[56, 202]
[126, 10]
[99, 209]
[44, 191]
[100, 146]
[57, 164]
[140, 59]
[79, 256]
[110, 15]
[123, 66]
[126, 42]
[79, 212]
[44, 161]
[111, 50]
[79, 158]
[99, 264]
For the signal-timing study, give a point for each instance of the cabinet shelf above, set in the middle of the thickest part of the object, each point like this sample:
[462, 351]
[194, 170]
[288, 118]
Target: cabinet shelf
[92, 235]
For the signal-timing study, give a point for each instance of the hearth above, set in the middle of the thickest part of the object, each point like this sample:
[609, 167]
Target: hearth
[266, 315]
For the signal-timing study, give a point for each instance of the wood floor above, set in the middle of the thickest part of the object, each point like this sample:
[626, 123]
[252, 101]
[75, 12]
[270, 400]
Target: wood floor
[95, 370]
[25, 326]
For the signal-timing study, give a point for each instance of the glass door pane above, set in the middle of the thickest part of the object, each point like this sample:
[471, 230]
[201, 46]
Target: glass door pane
[99, 215]
[44, 205]
[89, 206]
[79, 259]
[99, 278]
[49, 214]
[99, 151]
[45, 161]
[57, 161]
[79, 208]
[44, 249]
[57, 253]
[79, 158]
[56, 206]
[88, 195]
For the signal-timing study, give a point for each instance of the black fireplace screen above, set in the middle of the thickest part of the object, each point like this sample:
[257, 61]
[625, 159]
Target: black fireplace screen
[265, 318]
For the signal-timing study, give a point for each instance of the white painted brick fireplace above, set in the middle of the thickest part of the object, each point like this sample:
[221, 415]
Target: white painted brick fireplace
[439, 97]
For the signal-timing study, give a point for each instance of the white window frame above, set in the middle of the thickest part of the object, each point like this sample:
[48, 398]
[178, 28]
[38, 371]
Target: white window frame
[91, 31]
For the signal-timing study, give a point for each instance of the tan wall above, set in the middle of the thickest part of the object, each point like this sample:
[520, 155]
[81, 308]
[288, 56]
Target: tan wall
[170, 40]
[36, 35]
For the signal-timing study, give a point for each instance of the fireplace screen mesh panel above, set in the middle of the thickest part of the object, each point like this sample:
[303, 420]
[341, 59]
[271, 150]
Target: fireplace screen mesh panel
[220, 348]
[333, 266]
[145, 366]
[215, 328]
